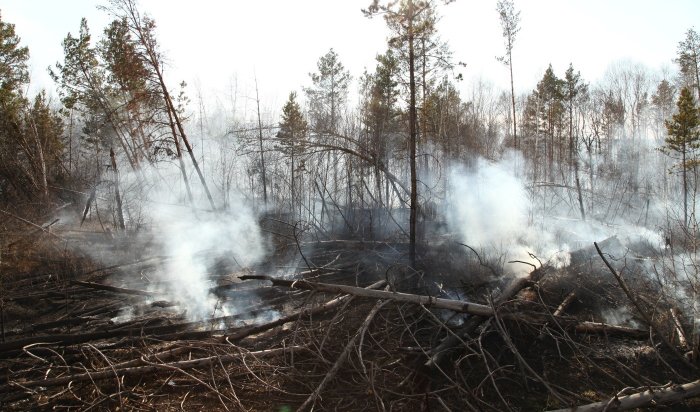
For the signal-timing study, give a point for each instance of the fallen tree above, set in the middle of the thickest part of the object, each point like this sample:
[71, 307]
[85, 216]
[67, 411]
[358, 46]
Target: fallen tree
[650, 397]
[450, 304]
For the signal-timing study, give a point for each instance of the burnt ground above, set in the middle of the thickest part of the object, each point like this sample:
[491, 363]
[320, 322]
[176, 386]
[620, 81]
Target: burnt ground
[82, 334]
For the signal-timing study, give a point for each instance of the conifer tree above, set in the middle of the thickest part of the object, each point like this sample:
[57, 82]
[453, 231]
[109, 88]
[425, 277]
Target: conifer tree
[684, 138]
[510, 23]
[292, 133]
[689, 59]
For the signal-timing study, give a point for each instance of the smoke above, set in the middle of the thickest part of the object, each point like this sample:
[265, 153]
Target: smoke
[490, 207]
[492, 210]
[489, 204]
[196, 245]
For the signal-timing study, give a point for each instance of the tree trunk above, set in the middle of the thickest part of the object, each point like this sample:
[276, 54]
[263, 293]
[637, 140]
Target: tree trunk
[512, 97]
[120, 214]
[412, 137]
[178, 151]
[685, 188]
[260, 140]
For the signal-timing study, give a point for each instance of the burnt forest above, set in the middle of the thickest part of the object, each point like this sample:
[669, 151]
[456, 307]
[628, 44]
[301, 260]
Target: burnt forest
[402, 239]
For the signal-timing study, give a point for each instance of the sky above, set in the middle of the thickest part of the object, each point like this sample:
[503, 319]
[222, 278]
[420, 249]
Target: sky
[219, 47]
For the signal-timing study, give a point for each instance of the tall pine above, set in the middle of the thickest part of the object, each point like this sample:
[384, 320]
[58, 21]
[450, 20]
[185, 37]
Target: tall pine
[684, 138]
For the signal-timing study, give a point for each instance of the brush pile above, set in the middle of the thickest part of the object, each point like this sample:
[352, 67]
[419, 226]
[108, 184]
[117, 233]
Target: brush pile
[350, 327]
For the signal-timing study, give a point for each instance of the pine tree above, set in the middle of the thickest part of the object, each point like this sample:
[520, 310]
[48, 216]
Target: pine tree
[689, 59]
[684, 138]
[328, 95]
[30, 135]
[510, 23]
[292, 133]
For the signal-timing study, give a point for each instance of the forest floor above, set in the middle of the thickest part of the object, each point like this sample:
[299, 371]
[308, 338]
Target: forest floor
[81, 334]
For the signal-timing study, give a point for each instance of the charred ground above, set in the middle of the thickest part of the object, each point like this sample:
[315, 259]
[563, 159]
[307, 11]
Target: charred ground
[80, 334]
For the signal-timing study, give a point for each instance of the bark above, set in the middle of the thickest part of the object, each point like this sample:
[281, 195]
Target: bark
[578, 190]
[604, 328]
[41, 163]
[178, 152]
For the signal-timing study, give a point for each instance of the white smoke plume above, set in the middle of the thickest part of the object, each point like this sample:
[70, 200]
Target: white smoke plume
[491, 210]
[191, 240]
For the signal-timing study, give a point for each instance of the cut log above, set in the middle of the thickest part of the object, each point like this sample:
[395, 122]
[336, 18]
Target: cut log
[665, 396]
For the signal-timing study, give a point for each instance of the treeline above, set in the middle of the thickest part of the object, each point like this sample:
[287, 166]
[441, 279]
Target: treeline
[589, 149]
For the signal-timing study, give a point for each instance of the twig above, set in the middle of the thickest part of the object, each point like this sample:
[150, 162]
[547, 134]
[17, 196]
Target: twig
[142, 370]
[31, 224]
[642, 312]
[341, 359]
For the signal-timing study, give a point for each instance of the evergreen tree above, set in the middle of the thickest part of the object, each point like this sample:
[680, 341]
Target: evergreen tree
[413, 29]
[380, 116]
[575, 90]
[684, 138]
[328, 95]
[13, 64]
[663, 101]
[510, 23]
[689, 60]
[30, 134]
[292, 133]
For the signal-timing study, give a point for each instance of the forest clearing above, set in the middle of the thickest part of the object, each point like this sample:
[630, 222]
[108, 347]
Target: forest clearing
[419, 250]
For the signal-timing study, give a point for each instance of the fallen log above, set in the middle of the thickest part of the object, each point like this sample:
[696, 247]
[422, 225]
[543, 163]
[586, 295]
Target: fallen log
[110, 373]
[665, 396]
[450, 304]
[607, 329]
[100, 286]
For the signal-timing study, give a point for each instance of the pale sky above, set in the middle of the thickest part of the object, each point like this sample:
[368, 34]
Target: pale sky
[212, 43]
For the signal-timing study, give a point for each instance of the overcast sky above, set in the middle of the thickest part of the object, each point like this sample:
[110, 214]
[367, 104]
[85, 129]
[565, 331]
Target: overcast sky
[219, 45]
